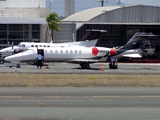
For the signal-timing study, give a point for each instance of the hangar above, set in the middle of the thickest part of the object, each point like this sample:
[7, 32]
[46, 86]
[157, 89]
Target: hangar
[121, 22]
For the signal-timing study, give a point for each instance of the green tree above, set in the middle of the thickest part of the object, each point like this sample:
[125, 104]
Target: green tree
[53, 24]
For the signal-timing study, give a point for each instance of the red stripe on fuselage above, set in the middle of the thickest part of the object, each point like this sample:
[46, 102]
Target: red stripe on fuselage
[94, 51]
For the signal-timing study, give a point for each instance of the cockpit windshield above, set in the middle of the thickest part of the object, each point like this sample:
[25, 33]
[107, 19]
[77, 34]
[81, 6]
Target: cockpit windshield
[19, 45]
[29, 51]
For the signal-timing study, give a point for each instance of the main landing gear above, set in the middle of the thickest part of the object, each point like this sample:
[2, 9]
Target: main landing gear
[113, 63]
[85, 65]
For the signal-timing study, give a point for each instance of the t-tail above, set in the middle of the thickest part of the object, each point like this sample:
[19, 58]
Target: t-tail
[91, 37]
[133, 48]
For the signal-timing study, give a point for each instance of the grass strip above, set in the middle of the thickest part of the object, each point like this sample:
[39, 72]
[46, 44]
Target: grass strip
[79, 80]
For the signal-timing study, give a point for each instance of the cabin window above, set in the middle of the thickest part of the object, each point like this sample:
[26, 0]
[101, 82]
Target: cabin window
[32, 45]
[44, 46]
[61, 51]
[56, 52]
[75, 51]
[71, 51]
[36, 45]
[80, 52]
[48, 46]
[23, 45]
[40, 45]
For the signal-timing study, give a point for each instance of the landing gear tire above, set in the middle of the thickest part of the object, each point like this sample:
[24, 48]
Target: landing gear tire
[112, 66]
[18, 65]
[85, 65]
[1, 61]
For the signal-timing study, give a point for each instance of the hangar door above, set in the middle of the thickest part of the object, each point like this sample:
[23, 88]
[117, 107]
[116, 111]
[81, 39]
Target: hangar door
[66, 34]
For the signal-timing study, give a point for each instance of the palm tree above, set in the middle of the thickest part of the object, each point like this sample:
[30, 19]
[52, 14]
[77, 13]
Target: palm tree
[53, 24]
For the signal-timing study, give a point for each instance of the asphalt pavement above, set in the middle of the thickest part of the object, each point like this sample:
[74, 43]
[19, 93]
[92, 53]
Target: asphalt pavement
[79, 103]
[58, 68]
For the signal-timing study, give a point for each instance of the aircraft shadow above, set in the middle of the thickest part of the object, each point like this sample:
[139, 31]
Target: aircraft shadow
[79, 68]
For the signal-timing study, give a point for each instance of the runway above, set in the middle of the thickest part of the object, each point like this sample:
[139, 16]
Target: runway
[62, 68]
[80, 103]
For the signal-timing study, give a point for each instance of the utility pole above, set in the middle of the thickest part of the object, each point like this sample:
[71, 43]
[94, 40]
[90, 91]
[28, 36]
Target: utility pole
[119, 2]
[50, 5]
[102, 3]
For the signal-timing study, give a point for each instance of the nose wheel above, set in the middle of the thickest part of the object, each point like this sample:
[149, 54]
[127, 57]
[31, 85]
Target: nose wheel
[1, 61]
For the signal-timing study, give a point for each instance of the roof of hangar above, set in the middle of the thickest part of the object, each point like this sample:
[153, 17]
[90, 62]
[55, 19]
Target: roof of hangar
[130, 14]
[88, 14]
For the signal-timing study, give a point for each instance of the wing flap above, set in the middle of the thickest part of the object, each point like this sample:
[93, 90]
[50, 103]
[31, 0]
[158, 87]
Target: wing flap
[84, 60]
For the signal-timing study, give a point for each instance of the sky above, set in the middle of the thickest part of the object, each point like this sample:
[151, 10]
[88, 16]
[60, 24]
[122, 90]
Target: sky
[58, 5]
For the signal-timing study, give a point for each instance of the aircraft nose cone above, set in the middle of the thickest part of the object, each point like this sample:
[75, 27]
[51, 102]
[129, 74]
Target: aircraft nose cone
[2, 51]
[9, 58]
[9, 49]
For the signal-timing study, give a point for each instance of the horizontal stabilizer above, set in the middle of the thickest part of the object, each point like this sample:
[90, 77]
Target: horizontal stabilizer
[135, 55]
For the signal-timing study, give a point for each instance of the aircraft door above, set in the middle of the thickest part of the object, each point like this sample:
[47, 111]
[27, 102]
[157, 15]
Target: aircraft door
[40, 51]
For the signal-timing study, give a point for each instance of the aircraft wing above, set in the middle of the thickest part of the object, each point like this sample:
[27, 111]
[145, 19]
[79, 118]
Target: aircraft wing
[134, 55]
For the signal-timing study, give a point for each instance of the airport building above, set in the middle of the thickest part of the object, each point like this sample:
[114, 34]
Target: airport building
[22, 20]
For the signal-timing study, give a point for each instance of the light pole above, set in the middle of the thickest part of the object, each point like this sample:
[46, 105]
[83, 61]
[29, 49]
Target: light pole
[102, 3]
[50, 3]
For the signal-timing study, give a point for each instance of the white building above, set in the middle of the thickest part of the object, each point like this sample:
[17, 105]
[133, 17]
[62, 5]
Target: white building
[22, 3]
[22, 20]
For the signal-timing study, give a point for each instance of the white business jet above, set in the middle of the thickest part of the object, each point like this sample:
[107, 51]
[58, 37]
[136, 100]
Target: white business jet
[89, 39]
[81, 55]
